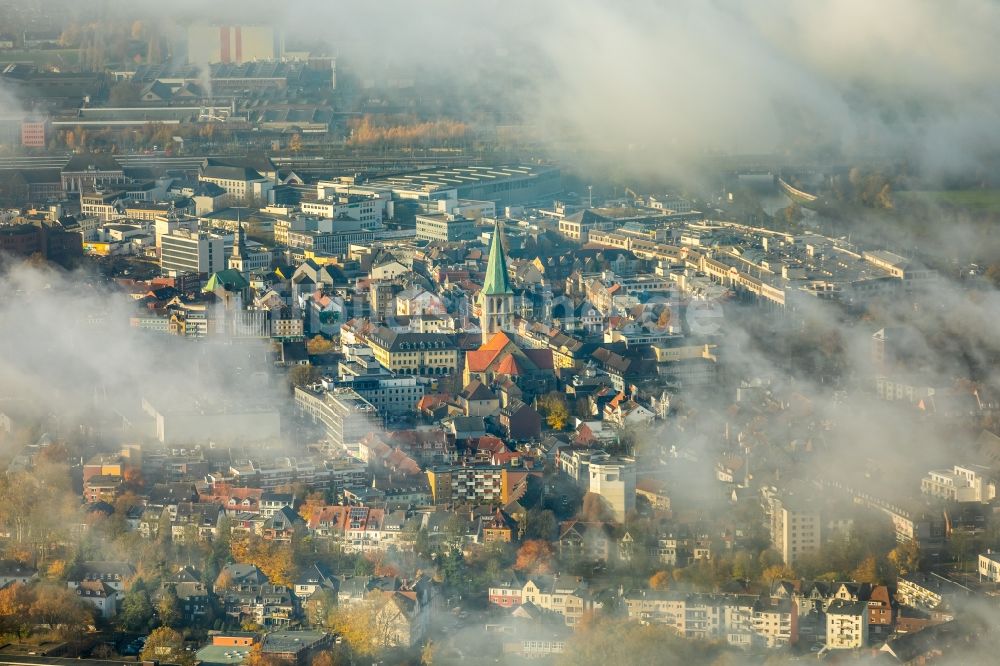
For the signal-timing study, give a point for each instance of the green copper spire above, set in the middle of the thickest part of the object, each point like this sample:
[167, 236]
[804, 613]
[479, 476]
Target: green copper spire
[496, 281]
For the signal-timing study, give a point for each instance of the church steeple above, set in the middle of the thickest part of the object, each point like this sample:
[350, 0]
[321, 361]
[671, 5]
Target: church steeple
[238, 240]
[497, 281]
[496, 300]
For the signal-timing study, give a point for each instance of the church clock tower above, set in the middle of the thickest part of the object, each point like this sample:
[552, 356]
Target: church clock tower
[496, 300]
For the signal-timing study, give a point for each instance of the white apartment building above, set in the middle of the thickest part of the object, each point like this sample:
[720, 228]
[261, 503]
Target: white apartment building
[847, 625]
[989, 567]
[961, 483]
[369, 210]
[183, 251]
[796, 527]
[614, 481]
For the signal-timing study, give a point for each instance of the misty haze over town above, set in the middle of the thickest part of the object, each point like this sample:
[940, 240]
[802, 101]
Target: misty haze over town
[442, 332]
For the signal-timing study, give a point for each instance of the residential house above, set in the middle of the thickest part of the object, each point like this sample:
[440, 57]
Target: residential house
[401, 619]
[282, 525]
[581, 540]
[192, 594]
[477, 400]
[100, 595]
[497, 528]
[520, 421]
[12, 571]
[564, 595]
[847, 625]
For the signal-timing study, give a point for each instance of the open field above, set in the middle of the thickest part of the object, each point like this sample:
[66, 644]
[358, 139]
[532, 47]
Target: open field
[979, 200]
[43, 57]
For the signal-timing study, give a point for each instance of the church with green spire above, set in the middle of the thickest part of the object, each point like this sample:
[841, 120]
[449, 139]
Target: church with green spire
[496, 300]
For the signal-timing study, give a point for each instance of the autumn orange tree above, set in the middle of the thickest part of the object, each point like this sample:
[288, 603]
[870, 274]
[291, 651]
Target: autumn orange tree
[319, 345]
[15, 605]
[275, 560]
[660, 580]
[535, 556]
[365, 132]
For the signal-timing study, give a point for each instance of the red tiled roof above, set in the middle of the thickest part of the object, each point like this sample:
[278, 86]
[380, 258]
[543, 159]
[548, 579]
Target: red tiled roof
[509, 366]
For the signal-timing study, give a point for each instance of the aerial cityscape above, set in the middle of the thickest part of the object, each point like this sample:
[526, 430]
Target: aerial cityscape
[443, 332]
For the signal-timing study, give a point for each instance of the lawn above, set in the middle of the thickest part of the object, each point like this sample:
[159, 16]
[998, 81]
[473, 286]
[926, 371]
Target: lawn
[43, 57]
[979, 200]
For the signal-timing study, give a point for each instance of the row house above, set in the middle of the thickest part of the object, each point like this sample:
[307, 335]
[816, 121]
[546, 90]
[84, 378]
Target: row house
[357, 528]
[192, 594]
[196, 520]
[817, 597]
[566, 596]
[506, 593]
[265, 605]
[234, 500]
[282, 526]
[740, 620]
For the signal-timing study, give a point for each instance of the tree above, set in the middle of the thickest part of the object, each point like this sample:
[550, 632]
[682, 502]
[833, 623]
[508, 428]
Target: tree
[323, 659]
[277, 563]
[58, 570]
[356, 626]
[867, 571]
[319, 345]
[295, 143]
[302, 375]
[275, 560]
[15, 603]
[57, 605]
[539, 524]
[535, 556]
[168, 607]
[660, 580]
[603, 642]
[167, 645]
[256, 657]
[137, 611]
[556, 411]
[777, 572]
[905, 558]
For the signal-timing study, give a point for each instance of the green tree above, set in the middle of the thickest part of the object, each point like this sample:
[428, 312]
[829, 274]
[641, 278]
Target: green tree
[168, 607]
[301, 375]
[539, 524]
[137, 611]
